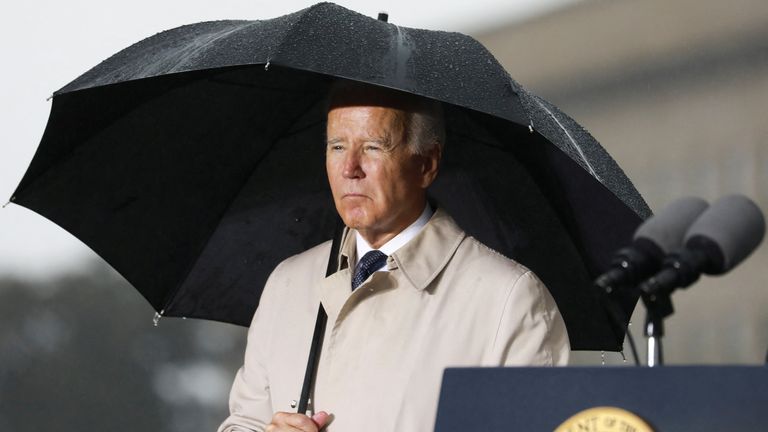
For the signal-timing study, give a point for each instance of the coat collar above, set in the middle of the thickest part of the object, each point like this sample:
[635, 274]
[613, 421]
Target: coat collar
[422, 258]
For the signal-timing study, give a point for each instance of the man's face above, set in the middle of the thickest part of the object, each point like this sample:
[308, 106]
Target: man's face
[378, 185]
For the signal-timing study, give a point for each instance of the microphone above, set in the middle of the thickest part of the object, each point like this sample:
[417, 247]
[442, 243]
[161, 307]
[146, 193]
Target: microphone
[718, 241]
[655, 238]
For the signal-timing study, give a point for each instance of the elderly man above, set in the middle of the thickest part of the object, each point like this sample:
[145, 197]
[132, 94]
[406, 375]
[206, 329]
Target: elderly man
[413, 293]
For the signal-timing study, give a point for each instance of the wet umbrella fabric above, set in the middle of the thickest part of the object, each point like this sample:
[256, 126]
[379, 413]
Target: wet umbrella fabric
[192, 161]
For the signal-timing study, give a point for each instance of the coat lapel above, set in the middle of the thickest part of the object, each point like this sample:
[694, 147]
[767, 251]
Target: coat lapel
[441, 237]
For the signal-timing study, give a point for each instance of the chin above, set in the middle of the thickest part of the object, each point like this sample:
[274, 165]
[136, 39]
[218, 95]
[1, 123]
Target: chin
[355, 223]
[354, 218]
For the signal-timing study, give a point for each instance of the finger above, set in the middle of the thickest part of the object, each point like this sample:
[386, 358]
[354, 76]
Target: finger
[320, 418]
[293, 421]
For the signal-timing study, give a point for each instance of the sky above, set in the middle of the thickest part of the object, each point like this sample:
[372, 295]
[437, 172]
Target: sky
[45, 44]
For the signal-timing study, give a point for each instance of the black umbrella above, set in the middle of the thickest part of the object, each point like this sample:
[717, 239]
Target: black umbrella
[192, 161]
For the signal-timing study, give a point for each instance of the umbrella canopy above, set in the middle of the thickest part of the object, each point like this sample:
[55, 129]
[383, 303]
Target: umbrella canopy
[192, 161]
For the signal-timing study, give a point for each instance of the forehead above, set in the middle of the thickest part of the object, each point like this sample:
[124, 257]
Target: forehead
[365, 119]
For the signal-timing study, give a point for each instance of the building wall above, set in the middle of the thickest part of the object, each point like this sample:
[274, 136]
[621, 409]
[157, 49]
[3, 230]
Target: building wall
[677, 93]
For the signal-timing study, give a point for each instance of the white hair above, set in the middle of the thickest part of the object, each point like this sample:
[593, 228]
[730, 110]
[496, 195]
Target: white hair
[425, 126]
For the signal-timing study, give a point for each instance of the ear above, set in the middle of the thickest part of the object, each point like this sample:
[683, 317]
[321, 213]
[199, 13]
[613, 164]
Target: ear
[430, 165]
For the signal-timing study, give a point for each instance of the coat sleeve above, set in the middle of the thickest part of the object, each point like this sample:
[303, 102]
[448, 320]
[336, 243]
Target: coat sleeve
[531, 331]
[250, 404]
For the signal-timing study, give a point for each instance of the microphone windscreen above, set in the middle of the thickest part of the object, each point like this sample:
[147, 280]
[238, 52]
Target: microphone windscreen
[734, 224]
[667, 228]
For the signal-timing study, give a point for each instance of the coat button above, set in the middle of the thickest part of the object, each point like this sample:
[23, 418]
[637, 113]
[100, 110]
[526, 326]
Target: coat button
[294, 404]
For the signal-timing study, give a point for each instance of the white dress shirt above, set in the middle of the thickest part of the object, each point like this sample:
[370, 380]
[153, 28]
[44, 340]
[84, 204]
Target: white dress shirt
[397, 241]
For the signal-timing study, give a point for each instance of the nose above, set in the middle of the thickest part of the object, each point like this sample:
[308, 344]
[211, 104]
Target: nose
[352, 168]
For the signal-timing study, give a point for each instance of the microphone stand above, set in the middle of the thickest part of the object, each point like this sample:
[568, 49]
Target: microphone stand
[654, 330]
[658, 306]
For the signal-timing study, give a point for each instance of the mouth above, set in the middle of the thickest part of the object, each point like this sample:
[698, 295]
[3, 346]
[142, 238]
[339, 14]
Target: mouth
[353, 195]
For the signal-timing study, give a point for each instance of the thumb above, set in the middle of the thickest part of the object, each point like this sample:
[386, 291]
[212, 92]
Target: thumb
[320, 418]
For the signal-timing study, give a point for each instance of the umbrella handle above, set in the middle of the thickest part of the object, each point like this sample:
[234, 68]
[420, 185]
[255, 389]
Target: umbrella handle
[320, 322]
[314, 353]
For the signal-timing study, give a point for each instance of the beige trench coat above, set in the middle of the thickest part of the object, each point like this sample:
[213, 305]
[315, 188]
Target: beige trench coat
[447, 300]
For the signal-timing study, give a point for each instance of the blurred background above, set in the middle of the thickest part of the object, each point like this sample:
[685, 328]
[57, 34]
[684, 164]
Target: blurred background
[675, 91]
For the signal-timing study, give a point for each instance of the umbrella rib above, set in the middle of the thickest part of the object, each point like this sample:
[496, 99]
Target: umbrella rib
[63, 157]
[279, 46]
[169, 301]
[486, 142]
[290, 132]
[210, 40]
[570, 138]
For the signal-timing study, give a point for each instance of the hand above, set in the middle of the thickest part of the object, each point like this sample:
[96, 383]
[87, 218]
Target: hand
[293, 422]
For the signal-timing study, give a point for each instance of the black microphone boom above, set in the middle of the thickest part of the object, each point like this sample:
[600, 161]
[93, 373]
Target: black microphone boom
[718, 241]
[657, 237]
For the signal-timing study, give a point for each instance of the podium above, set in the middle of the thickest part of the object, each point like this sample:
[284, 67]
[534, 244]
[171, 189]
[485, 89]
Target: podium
[669, 399]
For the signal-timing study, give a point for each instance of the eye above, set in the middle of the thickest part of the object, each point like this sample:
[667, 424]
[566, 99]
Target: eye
[372, 147]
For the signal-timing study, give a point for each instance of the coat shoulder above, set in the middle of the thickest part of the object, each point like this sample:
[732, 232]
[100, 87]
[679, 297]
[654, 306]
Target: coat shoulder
[479, 258]
[311, 259]
[298, 271]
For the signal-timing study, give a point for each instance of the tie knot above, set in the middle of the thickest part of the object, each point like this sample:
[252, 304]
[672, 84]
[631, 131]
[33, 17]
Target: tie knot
[368, 264]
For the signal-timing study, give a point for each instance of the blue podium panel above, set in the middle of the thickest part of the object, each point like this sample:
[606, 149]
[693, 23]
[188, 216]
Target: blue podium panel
[670, 399]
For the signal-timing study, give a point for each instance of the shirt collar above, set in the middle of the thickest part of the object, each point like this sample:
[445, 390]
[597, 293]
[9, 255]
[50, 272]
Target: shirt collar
[397, 241]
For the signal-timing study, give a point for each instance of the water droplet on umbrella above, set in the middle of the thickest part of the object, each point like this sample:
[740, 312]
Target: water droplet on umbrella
[156, 318]
[602, 358]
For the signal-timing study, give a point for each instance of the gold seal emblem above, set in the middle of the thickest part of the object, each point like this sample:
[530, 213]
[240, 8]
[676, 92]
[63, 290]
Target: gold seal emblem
[604, 419]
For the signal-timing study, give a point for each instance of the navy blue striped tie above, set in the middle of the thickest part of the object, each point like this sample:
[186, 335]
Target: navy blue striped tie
[368, 264]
